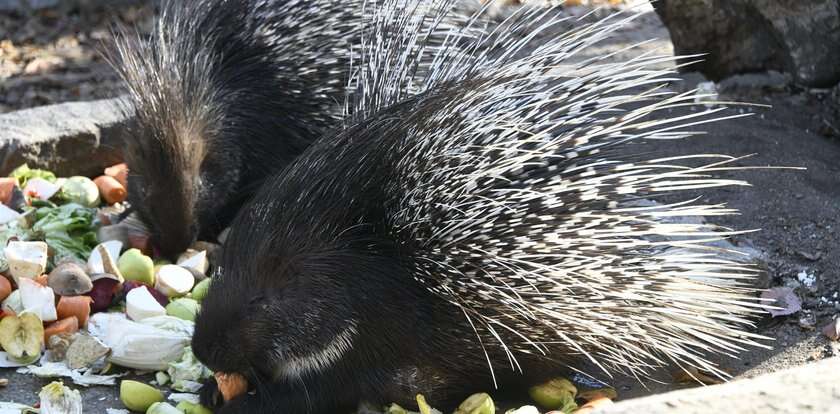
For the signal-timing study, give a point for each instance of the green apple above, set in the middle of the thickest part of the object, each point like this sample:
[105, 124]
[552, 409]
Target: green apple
[162, 408]
[558, 393]
[200, 290]
[184, 308]
[134, 265]
[477, 404]
[192, 408]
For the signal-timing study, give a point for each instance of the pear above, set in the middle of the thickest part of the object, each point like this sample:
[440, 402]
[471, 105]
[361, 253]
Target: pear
[137, 396]
[22, 337]
[134, 265]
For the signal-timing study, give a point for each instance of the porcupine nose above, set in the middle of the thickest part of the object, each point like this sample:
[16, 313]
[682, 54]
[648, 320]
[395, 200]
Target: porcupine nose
[172, 246]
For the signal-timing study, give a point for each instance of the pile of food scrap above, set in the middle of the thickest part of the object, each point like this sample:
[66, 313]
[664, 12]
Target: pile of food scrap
[83, 298]
[559, 396]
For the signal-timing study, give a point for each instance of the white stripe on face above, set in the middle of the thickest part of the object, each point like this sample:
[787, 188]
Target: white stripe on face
[294, 368]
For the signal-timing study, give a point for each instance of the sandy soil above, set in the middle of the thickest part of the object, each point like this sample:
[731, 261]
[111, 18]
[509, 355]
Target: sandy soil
[798, 211]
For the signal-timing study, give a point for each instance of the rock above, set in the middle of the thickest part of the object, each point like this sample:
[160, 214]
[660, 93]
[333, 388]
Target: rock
[808, 389]
[27, 4]
[742, 36]
[84, 351]
[689, 81]
[43, 65]
[24, 5]
[75, 138]
[832, 330]
[770, 81]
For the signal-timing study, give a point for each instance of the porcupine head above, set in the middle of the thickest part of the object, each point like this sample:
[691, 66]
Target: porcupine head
[224, 93]
[183, 163]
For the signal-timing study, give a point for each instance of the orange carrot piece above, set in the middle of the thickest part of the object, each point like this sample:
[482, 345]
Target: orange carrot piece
[119, 172]
[5, 288]
[110, 189]
[74, 306]
[231, 385]
[67, 325]
[7, 185]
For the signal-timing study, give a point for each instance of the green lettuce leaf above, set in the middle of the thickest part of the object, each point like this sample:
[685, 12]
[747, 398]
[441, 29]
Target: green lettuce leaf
[24, 174]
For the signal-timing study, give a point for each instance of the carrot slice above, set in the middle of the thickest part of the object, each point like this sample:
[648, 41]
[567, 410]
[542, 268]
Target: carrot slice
[7, 185]
[67, 325]
[110, 189]
[231, 385]
[119, 172]
[74, 306]
[5, 288]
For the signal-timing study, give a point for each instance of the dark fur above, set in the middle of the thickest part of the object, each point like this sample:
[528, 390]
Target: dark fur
[331, 256]
[483, 218]
[221, 103]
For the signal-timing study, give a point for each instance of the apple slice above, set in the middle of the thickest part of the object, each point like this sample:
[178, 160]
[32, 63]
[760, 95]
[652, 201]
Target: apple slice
[22, 337]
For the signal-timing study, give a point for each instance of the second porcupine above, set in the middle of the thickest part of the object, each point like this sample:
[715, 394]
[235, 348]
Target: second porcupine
[486, 232]
[224, 93]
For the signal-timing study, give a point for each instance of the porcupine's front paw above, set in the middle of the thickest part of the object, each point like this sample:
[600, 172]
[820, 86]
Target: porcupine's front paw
[210, 396]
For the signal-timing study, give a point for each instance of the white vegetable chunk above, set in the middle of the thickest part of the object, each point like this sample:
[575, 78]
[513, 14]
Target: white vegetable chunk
[27, 259]
[140, 304]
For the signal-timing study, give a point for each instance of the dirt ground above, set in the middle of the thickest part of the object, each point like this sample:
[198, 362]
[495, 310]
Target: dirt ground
[797, 211]
[55, 55]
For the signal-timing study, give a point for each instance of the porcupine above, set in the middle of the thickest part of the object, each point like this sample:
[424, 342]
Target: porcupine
[226, 92]
[484, 232]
